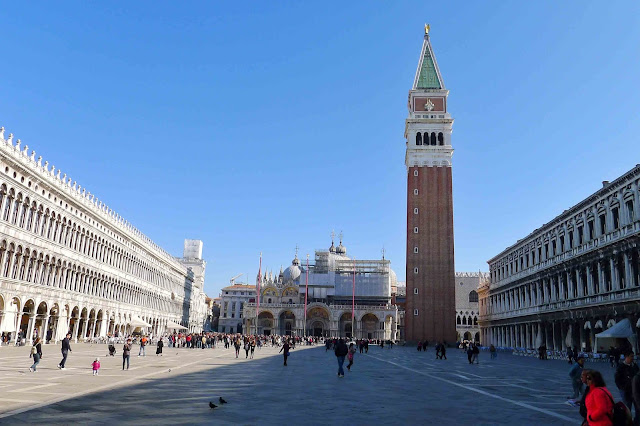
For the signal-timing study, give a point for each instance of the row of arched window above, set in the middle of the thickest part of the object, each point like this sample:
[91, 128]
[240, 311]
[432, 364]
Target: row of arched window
[464, 320]
[26, 264]
[427, 138]
[20, 211]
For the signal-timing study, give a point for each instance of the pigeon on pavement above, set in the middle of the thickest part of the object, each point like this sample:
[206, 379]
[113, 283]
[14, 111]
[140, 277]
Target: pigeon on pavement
[212, 405]
[222, 401]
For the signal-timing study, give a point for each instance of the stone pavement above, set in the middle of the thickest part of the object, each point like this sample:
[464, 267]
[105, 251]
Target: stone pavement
[390, 386]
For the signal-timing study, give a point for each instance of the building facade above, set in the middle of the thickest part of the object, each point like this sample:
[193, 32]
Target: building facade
[192, 260]
[346, 298]
[467, 312]
[570, 279]
[233, 298]
[70, 263]
[430, 274]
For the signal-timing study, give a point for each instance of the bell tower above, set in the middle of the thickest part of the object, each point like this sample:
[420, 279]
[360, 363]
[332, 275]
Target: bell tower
[430, 306]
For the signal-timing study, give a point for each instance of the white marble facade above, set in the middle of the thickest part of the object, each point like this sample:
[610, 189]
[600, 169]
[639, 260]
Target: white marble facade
[70, 263]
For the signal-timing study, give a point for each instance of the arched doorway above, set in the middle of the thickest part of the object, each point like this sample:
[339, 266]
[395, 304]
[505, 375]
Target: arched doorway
[27, 315]
[52, 326]
[345, 325]
[467, 335]
[2, 316]
[41, 318]
[477, 337]
[370, 326]
[287, 323]
[265, 323]
[317, 322]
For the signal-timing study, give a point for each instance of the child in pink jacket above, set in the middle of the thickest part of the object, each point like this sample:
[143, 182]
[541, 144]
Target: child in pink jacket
[96, 366]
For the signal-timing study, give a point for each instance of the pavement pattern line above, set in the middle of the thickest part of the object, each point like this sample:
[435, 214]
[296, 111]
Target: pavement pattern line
[93, 390]
[470, 388]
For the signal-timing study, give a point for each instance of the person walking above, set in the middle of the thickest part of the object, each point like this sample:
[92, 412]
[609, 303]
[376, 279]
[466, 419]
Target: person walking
[237, 346]
[253, 347]
[625, 372]
[351, 355]
[341, 351]
[36, 354]
[126, 353]
[475, 351]
[575, 373]
[66, 348]
[285, 351]
[470, 353]
[95, 365]
[493, 352]
[599, 401]
[247, 348]
[143, 345]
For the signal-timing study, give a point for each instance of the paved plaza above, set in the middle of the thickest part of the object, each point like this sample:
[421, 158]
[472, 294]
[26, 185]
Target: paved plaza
[386, 386]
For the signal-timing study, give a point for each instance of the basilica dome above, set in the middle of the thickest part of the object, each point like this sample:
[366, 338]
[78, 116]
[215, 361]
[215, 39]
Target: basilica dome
[293, 272]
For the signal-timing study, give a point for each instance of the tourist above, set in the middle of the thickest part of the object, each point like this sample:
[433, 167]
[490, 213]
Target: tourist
[425, 344]
[570, 355]
[599, 402]
[341, 351]
[493, 352]
[285, 352]
[96, 366]
[624, 375]
[36, 354]
[366, 346]
[419, 345]
[350, 355]
[159, 347]
[66, 348]
[253, 347]
[247, 348]
[583, 405]
[237, 346]
[126, 353]
[576, 378]
[143, 344]
[475, 351]
[470, 353]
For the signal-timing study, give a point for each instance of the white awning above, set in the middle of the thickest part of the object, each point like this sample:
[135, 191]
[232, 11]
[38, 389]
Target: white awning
[598, 324]
[139, 322]
[175, 326]
[587, 325]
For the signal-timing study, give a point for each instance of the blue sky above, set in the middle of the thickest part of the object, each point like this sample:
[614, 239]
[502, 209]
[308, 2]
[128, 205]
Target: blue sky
[259, 126]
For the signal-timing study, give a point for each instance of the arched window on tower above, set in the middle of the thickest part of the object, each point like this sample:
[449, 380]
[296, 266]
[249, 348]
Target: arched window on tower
[440, 139]
[458, 321]
[418, 138]
[464, 320]
[433, 138]
[473, 296]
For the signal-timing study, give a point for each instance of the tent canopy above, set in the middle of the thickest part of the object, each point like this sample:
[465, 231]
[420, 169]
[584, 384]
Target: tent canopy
[139, 322]
[175, 326]
[621, 330]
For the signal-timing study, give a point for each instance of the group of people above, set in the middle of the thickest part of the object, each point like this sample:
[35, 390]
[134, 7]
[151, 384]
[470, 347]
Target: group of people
[597, 404]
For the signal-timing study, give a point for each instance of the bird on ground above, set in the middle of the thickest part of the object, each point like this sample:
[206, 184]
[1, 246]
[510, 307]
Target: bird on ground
[212, 405]
[222, 401]
[169, 370]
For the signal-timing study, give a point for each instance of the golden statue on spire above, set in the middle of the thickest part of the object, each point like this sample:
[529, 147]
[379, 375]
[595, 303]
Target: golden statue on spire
[427, 27]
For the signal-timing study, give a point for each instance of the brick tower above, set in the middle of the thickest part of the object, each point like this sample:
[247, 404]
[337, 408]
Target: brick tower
[430, 307]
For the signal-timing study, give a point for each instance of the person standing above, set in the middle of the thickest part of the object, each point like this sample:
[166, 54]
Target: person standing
[253, 347]
[475, 352]
[624, 375]
[351, 355]
[237, 346]
[96, 366]
[576, 378]
[493, 352]
[285, 351]
[66, 348]
[160, 345]
[126, 353]
[341, 351]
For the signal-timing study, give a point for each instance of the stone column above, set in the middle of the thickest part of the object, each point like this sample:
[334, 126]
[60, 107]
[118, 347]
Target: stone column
[590, 285]
[93, 329]
[45, 329]
[628, 273]
[579, 282]
[32, 323]
[601, 283]
[615, 278]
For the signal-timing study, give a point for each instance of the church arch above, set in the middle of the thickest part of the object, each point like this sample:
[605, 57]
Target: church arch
[418, 138]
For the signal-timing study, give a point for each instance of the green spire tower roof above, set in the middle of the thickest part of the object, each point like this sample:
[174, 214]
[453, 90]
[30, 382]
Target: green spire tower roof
[428, 74]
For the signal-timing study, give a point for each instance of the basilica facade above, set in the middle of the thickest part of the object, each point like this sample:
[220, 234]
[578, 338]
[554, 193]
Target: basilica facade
[68, 263]
[571, 279]
[345, 298]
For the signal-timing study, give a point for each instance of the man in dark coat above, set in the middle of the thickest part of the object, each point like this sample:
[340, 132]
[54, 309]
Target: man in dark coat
[624, 375]
[341, 351]
[66, 348]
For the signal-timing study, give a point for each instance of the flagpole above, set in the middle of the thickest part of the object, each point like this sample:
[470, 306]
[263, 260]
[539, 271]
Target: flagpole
[258, 287]
[306, 293]
[353, 302]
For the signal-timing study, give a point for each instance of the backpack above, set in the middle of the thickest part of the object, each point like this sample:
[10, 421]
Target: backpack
[621, 415]
[34, 350]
